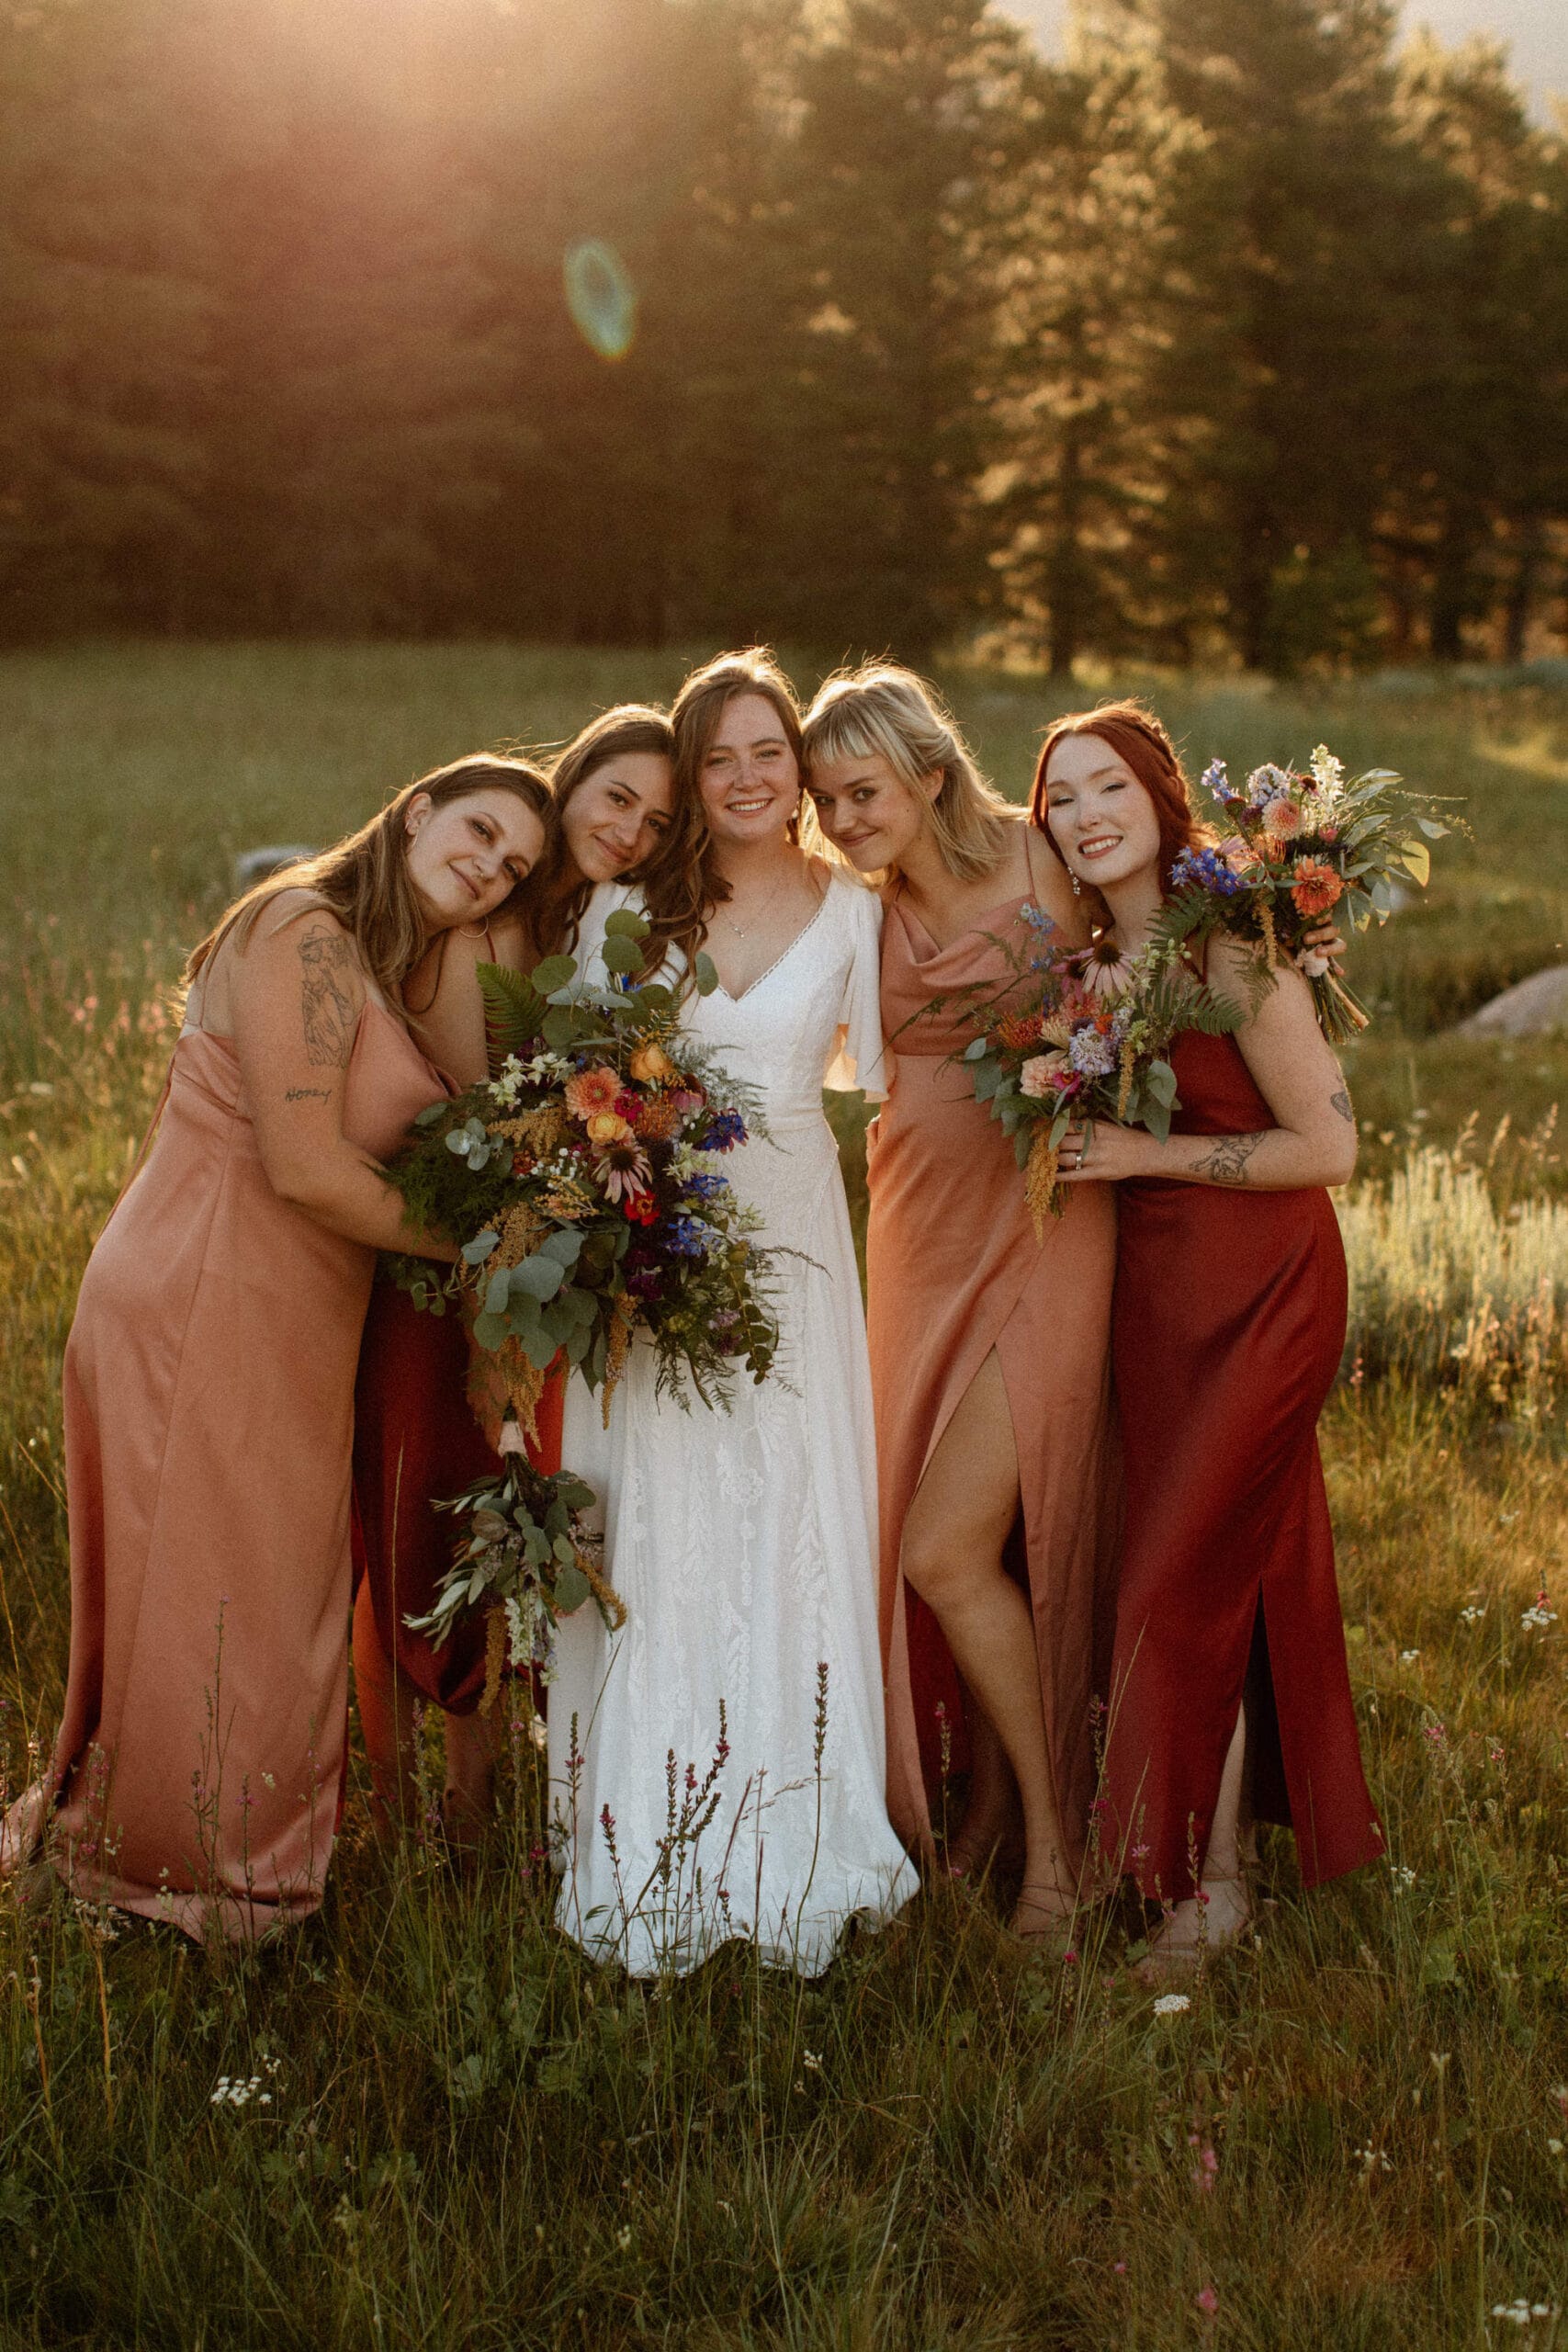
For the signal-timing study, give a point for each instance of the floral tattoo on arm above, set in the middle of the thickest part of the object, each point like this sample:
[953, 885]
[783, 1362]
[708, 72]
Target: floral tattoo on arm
[326, 1001]
[1226, 1164]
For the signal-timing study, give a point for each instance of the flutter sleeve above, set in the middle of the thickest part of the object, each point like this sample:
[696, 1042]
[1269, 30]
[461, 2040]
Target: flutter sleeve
[862, 1059]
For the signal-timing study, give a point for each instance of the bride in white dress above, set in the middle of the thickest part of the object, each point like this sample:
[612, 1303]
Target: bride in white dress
[717, 1769]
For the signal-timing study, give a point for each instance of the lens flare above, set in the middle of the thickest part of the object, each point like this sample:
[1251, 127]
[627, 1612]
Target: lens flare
[600, 297]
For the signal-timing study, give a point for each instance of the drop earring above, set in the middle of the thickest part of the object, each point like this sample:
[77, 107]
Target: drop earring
[1078, 887]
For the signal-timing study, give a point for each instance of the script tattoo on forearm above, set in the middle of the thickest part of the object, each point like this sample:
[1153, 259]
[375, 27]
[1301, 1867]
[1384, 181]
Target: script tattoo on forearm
[327, 1006]
[1226, 1164]
[1343, 1105]
[308, 1094]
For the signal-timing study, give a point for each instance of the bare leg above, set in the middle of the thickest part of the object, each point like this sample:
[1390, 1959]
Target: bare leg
[991, 1810]
[472, 1742]
[953, 1558]
[386, 1721]
[1218, 1918]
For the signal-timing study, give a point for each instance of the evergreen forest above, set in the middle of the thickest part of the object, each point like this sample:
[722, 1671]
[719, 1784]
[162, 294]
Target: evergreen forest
[1238, 337]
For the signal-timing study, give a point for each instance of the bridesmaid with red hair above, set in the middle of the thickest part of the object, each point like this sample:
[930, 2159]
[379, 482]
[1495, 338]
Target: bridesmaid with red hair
[1229, 1681]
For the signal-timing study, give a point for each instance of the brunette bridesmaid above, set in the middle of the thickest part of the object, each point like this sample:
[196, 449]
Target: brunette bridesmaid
[989, 1346]
[417, 1438]
[209, 1377]
[1229, 1678]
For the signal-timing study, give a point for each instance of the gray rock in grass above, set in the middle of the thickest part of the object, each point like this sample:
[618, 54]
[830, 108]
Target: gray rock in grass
[253, 865]
[1533, 1008]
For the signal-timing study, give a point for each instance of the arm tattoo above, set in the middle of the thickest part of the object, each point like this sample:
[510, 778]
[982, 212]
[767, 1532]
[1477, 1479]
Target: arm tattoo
[325, 1001]
[308, 1094]
[1342, 1103]
[1226, 1164]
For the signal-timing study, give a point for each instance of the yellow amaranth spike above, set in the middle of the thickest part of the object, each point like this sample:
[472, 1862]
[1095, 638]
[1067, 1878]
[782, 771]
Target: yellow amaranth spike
[616, 1353]
[1040, 1181]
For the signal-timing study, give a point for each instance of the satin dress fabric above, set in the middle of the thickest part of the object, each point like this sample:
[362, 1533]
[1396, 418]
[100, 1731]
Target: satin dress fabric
[953, 1272]
[1228, 1330]
[417, 1441]
[209, 1425]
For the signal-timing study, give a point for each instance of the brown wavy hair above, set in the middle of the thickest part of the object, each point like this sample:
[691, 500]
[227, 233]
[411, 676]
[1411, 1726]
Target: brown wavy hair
[557, 892]
[364, 881]
[1136, 736]
[683, 885]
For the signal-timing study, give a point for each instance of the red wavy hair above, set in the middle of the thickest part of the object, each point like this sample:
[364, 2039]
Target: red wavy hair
[1136, 736]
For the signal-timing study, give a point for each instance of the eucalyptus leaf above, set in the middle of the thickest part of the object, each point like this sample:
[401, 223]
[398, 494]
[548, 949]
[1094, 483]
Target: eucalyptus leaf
[621, 956]
[704, 973]
[538, 1277]
[498, 1291]
[625, 922]
[489, 1331]
[476, 1252]
[552, 974]
[572, 1590]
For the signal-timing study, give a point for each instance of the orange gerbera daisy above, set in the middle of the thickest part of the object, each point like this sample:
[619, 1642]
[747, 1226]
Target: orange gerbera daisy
[1315, 887]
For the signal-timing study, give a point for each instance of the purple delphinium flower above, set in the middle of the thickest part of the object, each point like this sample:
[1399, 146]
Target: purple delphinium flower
[727, 1129]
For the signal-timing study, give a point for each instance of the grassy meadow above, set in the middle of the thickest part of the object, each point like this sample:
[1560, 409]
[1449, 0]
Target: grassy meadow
[422, 2121]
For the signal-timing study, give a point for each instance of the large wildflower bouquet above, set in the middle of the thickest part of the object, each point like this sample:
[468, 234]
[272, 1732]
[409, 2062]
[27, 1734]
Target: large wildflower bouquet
[1072, 1047]
[1300, 847]
[585, 1188]
[525, 1557]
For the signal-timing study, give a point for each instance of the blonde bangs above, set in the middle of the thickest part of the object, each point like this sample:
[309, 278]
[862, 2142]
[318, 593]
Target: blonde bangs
[885, 712]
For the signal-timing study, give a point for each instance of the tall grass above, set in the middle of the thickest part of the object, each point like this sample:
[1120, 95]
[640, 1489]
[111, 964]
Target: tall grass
[439, 2127]
[1451, 1283]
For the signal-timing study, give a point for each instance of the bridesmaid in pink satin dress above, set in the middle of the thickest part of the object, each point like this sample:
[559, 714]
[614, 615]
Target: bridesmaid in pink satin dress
[209, 1378]
[988, 1345]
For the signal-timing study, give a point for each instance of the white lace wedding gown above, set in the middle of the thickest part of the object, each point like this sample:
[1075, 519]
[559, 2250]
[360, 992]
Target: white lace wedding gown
[744, 1545]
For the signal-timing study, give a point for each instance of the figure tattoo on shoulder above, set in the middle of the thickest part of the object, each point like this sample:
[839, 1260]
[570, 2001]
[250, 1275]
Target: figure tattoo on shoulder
[1343, 1105]
[1226, 1164]
[326, 996]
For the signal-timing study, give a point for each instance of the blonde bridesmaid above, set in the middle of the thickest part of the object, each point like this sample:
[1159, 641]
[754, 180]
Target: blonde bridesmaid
[209, 1376]
[989, 1346]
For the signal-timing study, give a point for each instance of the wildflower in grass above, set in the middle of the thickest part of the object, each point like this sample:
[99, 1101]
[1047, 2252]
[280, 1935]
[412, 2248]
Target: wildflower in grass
[1408, 1658]
[1171, 2005]
[1521, 2314]
[1536, 1619]
[1372, 2159]
[1404, 1878]
[1208, 2302]
[1437, 1732]
[623, 2239]
[1473, 1614]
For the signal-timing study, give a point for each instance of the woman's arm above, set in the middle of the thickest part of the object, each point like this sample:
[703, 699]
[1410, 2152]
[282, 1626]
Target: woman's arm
[297, 993]
[1298, 1076]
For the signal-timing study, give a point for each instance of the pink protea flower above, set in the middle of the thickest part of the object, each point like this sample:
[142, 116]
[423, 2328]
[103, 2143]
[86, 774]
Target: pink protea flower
[594, 1090]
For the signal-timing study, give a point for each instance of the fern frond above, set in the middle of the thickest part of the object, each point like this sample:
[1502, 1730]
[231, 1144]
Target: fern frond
[514, 1011]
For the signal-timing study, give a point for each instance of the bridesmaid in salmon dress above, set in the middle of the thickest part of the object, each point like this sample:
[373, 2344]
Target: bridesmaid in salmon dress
[989, 1346]
[209, 1380]
[1229, 1677]
[417, 1439]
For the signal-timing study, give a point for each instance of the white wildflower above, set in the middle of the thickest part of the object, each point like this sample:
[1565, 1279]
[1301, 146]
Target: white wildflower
[1540, 1617]
[1171, 2005]
[1328, 774]
[1372, 2159]
[1404, 1878]
[1408, 1658]
[1473, 1614]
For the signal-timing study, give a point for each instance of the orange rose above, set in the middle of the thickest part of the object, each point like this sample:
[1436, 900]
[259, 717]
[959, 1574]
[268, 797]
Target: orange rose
[607, 1127]
[652, 1066]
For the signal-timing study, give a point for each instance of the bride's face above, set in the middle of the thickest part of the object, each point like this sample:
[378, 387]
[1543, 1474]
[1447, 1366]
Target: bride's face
[1100, 816]
[750, 781]
[867, 809]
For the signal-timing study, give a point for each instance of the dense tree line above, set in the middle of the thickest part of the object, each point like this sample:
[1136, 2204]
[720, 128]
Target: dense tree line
[1238, 334]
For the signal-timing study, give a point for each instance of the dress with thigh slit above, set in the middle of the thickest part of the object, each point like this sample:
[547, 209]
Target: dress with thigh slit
[1228, 1328]
[209, 1425]
[954, 1271]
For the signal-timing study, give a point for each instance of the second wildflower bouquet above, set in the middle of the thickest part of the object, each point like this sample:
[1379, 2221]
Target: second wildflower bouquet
[583, 1184]
[1084, 1050]
[525, 1557]
[1301, 847]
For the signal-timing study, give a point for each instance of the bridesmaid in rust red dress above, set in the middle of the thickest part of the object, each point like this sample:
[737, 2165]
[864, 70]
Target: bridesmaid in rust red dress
[1229, 1678]
[416, 1437]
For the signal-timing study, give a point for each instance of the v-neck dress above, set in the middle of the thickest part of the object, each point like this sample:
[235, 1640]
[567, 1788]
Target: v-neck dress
[953, 1273]
[208, 1423]
[718, 1768]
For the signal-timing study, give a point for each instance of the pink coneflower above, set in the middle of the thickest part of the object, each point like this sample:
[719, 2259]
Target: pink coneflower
[623, 1171]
